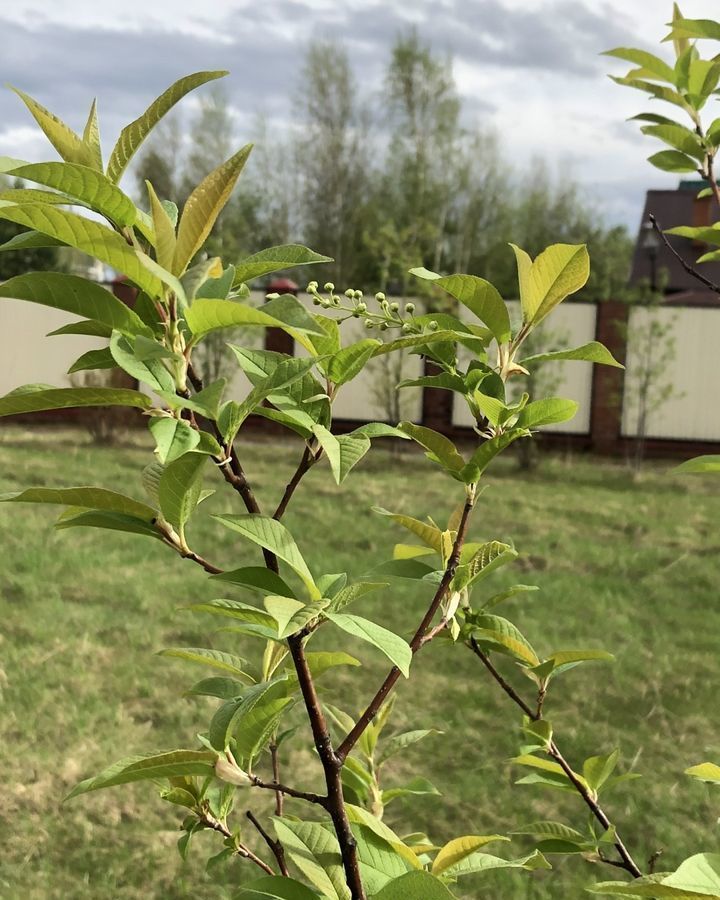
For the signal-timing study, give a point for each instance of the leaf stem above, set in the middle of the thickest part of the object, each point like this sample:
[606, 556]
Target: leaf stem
[628, 863]
[422, 635]
[275, 846]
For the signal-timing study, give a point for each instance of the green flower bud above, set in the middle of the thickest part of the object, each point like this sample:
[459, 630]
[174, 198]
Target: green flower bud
[379, 296]
[432, 326]
[329, 286]
[362, 307]
[316, 301]
[358, 295]
[325, 303]
[384, 326]
[394, 306]
[350, 293]
[312, 287]
[407, 328]
[369, 324]
[409, 308]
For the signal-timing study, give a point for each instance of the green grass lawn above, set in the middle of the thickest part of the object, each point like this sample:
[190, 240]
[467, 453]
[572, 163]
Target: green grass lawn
[629, 566]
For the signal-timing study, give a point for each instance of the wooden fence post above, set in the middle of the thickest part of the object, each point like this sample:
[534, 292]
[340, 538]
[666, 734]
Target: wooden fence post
[606, 406]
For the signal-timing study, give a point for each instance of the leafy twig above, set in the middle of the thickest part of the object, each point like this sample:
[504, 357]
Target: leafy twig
[686, 265]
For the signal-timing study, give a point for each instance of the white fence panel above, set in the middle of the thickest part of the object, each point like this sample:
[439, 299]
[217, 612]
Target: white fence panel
[29, 357]
[570, 325]
[693, 413]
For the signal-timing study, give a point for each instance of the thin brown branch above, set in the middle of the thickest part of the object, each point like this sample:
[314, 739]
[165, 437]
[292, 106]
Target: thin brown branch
[422, 636]
[332, 767]
[291, 792]
[209, 821]
[688, 268]
[306, 463]
[279, 796]
[276, 847]
[201, 561]
[628, 863]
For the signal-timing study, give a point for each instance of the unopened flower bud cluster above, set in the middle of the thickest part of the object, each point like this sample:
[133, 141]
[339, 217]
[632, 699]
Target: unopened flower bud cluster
[382, 313]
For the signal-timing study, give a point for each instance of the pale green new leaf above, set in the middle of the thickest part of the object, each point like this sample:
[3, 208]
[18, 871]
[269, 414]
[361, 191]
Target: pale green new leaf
[165, 238]
[85, 184]
[394, 647]
[560, 270]
[678, 137]
[33, 398]
[90, 237]
[597, 769]
[132, 136]
[205, 316]
[673, 161]
[415, 886]
[646, 60]
[487, 452]
[274, 259]
[483, 862]
[700, 465]
[91, 137]
[428, 534]
[144, 768]
[67, 143]
[275, 537]
[458, 849]
[203, 207]
[151, 372]
[74, 295]
[705, 772]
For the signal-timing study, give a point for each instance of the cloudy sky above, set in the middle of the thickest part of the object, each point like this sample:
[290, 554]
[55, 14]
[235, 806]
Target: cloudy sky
[528, 68]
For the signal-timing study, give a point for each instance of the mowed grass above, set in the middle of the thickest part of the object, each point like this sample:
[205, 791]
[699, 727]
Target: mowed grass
[632, 567]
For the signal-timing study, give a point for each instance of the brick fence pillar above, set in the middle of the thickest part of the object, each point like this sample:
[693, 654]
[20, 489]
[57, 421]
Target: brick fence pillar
[437, 406]
[275, 338]
[606, 407]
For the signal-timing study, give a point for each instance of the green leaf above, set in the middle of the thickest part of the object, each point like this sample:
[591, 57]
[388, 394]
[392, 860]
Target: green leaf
[205, 316]
[504, 637]
[678, 137]
[415, 886]
[646, 60]
[552, 830]
[254, 722]
[113, 521]
[379, 430]
[74, 295]
[708, 772]
[487, 452]
[548, 411]
[457, 850]
[394, 647]
[699, 873]
[344, 365]
[315, 851]
[428, 534]
[29, 240]
[180, 487]
[151, 372]
[289, 614]
[597, 769]
[273, 536]
[348, 594]
[274, 259]
[85, 184]
[91, 137]
[217, 686]
[560, 270]
[699, 465]
[288, 371]
[399, 742]
[404, 568]
[593, 352]
[88, 236]
[68, 144]
[216, 659]
[203, 206]
[276, 887]
[132, 136]
[173, 437]
[483, 862]
[343, 452]
[30, 398]
[257, 579]
[165, 238]
[85, 326]
[85, 497]
[92, 360]
[673, 161]
[379, 861]
[479, 296]
[416, 787]
[144, 768]
[440, 449]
